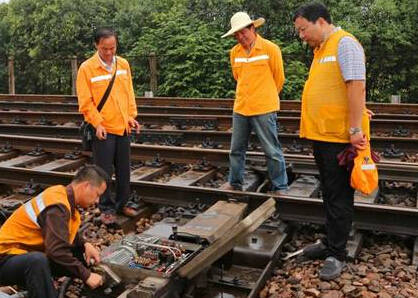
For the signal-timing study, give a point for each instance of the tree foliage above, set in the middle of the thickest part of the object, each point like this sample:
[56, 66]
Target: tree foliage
[185, 36]
[4, 41]
[192, 60]
[44, 35]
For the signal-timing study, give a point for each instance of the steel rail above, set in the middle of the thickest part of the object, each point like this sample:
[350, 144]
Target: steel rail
[407, 172]
[208, 122]
[206, 102]
[389, 219]
[203, 138]
[167, 109]
[147, 109]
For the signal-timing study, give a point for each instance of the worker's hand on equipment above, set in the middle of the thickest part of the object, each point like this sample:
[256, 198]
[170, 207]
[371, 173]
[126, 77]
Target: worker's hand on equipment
[101, 133]
[95, 280]
[91, 253]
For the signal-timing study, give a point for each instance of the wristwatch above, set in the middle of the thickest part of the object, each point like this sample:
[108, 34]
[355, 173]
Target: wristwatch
[354, 130]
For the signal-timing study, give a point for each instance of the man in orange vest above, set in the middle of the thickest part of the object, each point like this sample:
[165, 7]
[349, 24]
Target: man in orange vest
[41, 236]
[257, 66]
[334, 116]
[114, 122]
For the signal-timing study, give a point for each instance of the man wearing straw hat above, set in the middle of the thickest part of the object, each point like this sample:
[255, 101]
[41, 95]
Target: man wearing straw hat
[257, 66]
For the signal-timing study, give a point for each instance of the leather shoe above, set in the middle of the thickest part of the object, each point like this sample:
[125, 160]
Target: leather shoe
[316, 251]
[129, 211]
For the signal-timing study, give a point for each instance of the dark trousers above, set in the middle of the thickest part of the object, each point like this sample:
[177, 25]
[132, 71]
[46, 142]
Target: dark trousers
[34, 271]
[113, 156]
[30, 270]
[338, 197]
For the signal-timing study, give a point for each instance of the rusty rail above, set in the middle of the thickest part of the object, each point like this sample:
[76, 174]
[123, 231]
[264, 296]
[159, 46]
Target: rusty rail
[167, 109]
[382, 108]
[218, 157]
[398, 220]
[184, 121]
[205, 139]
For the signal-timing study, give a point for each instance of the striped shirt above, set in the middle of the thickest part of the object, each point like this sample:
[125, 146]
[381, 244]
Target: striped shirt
[351, 59]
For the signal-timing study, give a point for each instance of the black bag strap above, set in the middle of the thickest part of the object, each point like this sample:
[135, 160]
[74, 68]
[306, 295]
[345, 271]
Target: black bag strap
[109, 88]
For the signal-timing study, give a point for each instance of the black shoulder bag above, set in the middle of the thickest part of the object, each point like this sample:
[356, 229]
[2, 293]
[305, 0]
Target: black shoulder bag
[87, 130]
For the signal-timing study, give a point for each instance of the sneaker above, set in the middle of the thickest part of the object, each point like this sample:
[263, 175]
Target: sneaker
[316, 251]
[332, 269]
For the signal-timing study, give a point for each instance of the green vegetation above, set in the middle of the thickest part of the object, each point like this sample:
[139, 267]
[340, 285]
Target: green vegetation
[192, 59]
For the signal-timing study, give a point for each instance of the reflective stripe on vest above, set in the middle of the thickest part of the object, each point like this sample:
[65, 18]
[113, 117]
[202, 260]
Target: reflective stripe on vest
[252, 59]
[31, 212]
[108, 76]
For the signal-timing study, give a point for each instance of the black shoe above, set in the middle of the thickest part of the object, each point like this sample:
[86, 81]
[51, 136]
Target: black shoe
[332, 269]
[316, 251]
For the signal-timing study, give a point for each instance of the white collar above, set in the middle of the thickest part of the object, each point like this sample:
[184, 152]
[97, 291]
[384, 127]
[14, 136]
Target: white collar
[107, 66]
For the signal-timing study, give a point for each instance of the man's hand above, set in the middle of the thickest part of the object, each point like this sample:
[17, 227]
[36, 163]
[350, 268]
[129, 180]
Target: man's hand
[133, 124]
[91, 253]
[95, 280]
[370, 114]
[358, 140]
[101, 133]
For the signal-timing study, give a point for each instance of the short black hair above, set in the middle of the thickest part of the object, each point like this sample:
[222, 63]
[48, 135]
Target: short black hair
[312, 12]
[104, 32]
[93, 174]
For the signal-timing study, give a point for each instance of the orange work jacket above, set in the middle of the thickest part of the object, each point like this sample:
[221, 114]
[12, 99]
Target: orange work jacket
[259, 76]
[120, 107]
[21, 232]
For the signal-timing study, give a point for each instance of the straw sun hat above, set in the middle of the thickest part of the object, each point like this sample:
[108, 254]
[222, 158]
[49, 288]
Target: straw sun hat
[241, 20]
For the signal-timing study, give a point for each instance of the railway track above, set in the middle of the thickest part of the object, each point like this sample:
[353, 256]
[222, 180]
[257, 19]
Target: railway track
[212, 139]
[188, 189]
[405, 128]
[293, 105]
[206, 124]
[388, 170]
[300, 164]
[187, 172]
[168, 109]
[196, 178]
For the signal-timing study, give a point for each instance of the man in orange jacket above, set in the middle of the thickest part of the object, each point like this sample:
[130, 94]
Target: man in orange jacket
[257, 66]
[333, 116]
[113, 124]
[41, 236]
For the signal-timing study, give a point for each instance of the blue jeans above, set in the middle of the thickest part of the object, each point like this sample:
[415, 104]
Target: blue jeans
[265, 127]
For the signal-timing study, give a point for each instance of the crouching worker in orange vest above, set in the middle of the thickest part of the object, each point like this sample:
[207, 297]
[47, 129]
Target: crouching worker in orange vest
[41, 239]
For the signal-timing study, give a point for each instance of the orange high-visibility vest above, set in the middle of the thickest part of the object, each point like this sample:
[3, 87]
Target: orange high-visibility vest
[21, 232]
[325, 111]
